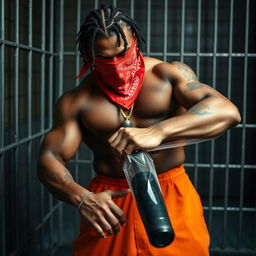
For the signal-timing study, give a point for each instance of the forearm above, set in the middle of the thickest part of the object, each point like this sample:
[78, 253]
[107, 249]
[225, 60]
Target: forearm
[58, 180]
[206, 119]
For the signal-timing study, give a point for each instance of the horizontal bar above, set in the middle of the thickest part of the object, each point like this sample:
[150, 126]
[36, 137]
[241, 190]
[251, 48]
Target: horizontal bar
[22, 141]
[231, 250]
[229, 209]
[189, 54]
[25, 47]
[234, 166]
[81, 161]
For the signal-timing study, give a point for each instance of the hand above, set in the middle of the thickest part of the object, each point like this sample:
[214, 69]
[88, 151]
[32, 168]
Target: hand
[126, 140]
[102, 214]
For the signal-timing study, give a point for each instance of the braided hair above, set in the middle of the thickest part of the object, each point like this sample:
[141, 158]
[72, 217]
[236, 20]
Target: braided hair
[102, 23]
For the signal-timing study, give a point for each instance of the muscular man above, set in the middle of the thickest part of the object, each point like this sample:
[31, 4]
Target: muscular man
[165, 102]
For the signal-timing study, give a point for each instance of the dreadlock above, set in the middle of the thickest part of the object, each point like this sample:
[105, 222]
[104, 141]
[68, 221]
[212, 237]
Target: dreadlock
[104, 22]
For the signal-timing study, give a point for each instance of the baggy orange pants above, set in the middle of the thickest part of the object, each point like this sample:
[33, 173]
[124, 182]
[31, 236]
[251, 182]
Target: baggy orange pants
[185, 211]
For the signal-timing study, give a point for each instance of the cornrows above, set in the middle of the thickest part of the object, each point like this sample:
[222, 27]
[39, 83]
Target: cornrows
[102, 23]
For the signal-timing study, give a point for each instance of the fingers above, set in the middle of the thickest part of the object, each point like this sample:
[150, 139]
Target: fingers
[130, 148]
[94, 225]
[114, 136]
[118, 143]
[118, 193]
[104, 222]
[118, 146]
[118, 213]
[102, 214]
[113, 221]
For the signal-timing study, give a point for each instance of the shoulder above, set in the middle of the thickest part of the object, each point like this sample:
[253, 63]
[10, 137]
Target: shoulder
[71, 102]
[174, 71]
[150, 63]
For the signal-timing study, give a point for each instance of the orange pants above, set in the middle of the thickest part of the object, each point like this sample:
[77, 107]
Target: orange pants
[185, 211]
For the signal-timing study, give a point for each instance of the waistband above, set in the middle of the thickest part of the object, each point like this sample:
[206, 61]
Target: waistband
[162, 177]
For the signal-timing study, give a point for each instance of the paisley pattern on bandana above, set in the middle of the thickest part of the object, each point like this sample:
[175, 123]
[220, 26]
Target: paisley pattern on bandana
[120, 79]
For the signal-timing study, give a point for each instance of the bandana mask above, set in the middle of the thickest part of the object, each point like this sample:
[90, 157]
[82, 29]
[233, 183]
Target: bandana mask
[120, 79]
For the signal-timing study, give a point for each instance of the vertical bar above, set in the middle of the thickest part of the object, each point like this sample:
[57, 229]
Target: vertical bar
[165, 27]
[96, 4]
[2, 185]
[114, 3]
[50, 110]
[42, 115]
[2, 205]
[228, 133]
[16, 116]
[148, 27]
[214, 86]
[244, 124]
[2, 77]
[182, 31]
[132, 9]
[61, 48]
[42, 71]
[198, 75]
[78, 18]
[51, 64]
[78, 15]
[29, 114]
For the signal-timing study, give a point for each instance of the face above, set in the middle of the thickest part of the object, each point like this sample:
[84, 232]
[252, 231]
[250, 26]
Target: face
[107, 48]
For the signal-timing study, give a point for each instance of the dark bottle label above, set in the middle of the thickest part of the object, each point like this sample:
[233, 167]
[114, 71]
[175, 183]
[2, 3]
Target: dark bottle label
[152, 209]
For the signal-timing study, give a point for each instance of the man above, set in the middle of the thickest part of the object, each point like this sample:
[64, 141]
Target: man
[164, 102]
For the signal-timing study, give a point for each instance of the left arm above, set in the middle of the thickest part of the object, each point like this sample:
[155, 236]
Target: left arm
[208, 114]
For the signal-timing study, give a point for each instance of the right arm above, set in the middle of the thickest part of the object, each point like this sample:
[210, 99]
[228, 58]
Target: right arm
[59, 146]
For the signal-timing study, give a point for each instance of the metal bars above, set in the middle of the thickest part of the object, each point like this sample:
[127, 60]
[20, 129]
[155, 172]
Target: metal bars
[20, 242]
[228, 133]
[52, 56]
[200, 56]
[2, 185]
[198, 75]
[60, 91]
[244, 122]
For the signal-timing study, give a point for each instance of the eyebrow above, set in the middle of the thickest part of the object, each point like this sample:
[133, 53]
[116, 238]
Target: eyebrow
[118, 55]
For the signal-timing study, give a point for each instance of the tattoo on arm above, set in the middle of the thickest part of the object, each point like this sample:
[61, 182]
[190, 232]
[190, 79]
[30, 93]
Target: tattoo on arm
[194, 85]
[200, 110]
[68, 176]
[187, 72]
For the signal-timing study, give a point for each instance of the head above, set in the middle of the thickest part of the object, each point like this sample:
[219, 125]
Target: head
[107, 33]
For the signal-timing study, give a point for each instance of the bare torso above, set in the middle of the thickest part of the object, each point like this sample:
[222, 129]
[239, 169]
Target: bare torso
[100, 118]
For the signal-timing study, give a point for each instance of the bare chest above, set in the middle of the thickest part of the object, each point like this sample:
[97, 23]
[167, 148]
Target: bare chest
[154, 103]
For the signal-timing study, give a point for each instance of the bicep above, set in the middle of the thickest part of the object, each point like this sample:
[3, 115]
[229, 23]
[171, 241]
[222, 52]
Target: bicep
[65, 137]
[187, 89]
[191, 93]
[63, 141]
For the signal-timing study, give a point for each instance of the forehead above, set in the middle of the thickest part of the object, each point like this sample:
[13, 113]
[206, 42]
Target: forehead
[108, 45]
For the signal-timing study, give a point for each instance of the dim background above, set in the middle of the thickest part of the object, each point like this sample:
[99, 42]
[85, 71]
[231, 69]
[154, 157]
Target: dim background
[39, 61]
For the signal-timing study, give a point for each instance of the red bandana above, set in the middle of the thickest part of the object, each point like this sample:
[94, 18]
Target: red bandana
[120, 79]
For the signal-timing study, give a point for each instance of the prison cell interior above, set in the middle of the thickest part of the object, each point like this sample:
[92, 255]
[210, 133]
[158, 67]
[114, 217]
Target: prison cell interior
[39, 61]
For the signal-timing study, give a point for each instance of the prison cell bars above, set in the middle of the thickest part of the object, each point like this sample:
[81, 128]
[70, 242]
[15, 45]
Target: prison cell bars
[182, 54]
[2, 187]
[30, 136]
[228, 132]
[243, 123]
[210, 208]
[50, 82]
